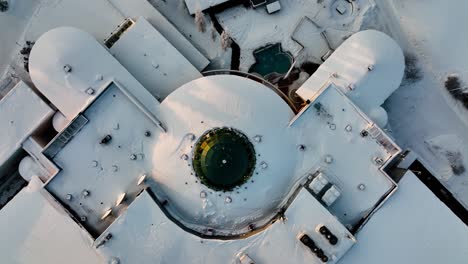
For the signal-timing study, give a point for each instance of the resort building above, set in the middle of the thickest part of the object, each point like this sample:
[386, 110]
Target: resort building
[131, 155]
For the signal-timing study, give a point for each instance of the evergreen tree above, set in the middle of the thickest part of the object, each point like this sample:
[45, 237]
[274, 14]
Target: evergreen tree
[3, 6]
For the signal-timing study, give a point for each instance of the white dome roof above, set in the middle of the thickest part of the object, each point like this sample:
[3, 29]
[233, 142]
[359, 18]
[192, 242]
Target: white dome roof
[234, 102]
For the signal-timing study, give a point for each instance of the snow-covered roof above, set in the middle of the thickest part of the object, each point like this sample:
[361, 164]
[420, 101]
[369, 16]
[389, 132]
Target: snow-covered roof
[138, 8]
[152, 60]
[105, 171]
[368, 67]
[126, 170]
[195, 6]
[329, 146]
[331, 127]
[414, 226]
[155, 238]
[233, 102]
[22, 111]
[273, 7]
[35, 229]
[71, 80]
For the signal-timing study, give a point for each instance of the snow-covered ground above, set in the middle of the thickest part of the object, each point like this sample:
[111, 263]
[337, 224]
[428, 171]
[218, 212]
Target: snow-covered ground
[12, 25]
[254, 28]
[422, 114]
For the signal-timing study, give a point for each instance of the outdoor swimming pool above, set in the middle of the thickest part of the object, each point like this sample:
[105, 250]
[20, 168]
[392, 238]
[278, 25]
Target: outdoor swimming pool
[271, 59]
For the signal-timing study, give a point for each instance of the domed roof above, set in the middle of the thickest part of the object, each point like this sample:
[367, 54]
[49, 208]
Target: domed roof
[228, 157]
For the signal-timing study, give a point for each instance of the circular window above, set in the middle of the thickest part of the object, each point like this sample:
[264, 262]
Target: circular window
[223, 159]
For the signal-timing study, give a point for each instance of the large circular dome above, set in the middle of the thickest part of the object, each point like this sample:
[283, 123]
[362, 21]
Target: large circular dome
[223, 159]
[228, 158]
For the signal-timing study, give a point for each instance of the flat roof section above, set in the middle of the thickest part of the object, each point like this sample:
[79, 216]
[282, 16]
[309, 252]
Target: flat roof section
[331, 127]
[95, 172]
[22, 111]
[153, 60]
[157, 239]
[137, 8]
[414, 226]
[35, 229]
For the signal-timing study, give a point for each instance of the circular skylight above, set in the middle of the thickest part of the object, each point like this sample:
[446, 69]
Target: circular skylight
[223, 159]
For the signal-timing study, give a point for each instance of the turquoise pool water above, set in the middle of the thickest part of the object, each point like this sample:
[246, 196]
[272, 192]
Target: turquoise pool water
[271, 59]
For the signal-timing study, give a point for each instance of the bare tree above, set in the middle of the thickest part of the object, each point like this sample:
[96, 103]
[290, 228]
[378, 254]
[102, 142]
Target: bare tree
[200, 21]
[226, 40]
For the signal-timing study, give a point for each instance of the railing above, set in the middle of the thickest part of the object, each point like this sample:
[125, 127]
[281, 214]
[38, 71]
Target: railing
[62, 138]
